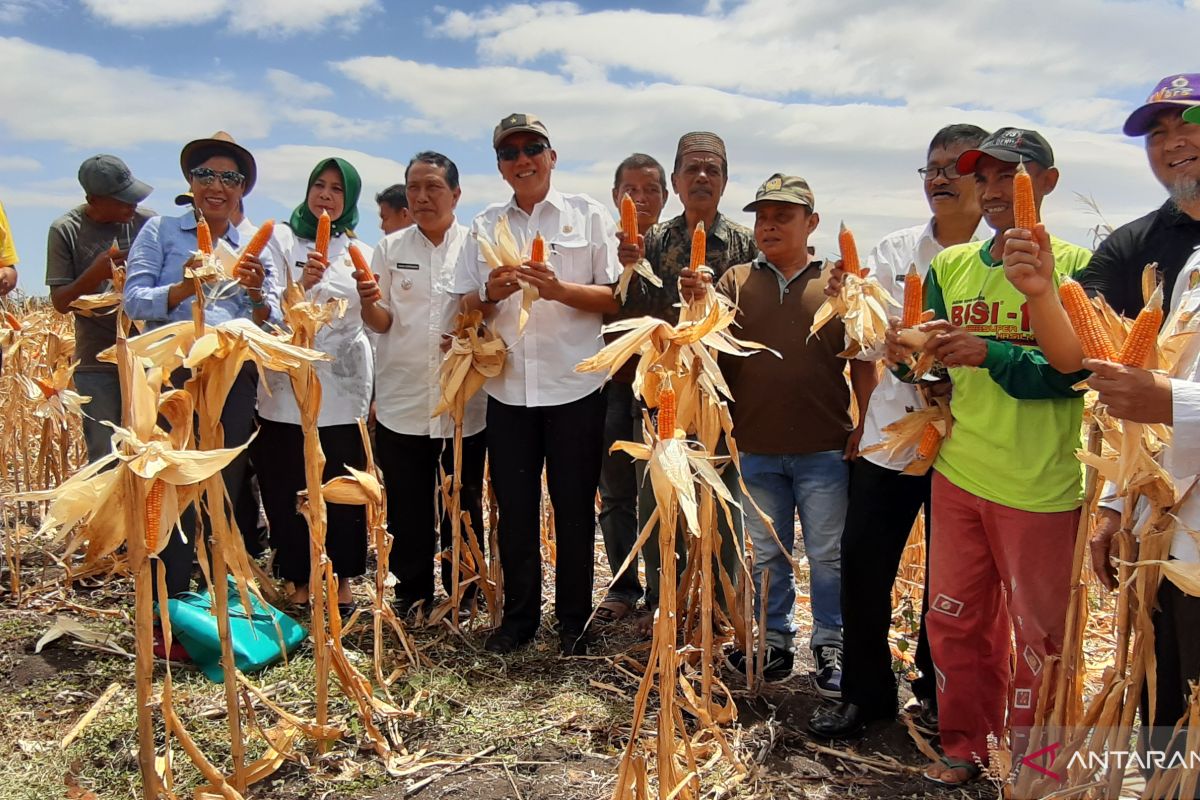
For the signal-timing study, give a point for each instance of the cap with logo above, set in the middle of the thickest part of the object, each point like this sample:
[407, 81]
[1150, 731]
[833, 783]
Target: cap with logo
[515, 123]
[1173, 91]
[782, 188]
[108, 176]
[1011, 145]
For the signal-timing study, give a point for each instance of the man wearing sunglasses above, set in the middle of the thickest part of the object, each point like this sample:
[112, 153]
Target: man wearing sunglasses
[540, 410]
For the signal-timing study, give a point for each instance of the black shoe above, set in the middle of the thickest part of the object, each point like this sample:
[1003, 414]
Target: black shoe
[828, 677]
[843, 720]
[502, 642]
[777, 665]
[574, 643]
[924, 715]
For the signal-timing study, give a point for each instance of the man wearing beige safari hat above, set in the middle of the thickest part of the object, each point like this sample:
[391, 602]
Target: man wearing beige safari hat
[792, 424]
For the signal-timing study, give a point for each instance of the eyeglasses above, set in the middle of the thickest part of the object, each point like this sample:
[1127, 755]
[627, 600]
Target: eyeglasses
[206, 176]
[533, 150]
[930, 173]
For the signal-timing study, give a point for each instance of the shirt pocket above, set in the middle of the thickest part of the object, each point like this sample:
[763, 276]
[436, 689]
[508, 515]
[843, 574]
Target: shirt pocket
[571, 259]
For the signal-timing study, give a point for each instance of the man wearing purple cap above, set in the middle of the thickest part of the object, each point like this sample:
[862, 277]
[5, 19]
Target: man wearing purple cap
[1169, 234]
[79, 261]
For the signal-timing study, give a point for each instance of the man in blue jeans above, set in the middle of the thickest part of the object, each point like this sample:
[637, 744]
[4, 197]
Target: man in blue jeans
[791, 420]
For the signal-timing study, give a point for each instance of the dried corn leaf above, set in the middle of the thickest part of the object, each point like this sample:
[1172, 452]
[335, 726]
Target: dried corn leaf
[862, 306]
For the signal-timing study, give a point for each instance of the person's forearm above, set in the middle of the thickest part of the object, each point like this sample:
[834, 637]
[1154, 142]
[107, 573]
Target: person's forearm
[598, 299]
[1054, 333]
[62, 296]
[471, 302]
[179, 292]
[376, 317]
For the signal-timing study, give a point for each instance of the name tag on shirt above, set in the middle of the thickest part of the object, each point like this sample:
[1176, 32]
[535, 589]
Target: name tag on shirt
[405, 265]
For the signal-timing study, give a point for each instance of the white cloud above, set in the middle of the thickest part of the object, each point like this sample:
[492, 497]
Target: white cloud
[263, 17]
[14, 12]
[58, 195]
[330, 125]
[289, 86]
[19, 164]
[85, 104]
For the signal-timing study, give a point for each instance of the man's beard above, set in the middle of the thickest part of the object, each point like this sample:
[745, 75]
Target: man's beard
[1185, 190]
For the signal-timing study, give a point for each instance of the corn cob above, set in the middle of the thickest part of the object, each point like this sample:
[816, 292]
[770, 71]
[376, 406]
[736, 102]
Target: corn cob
[1024, 209]
[257, 242]
[850, 263]
[153, 512]
[12, 321]
[699, 243]
[928, 445]
[1093, 339]
[48, 391]
[360, 263]
[914, 299]
[1139, 344]
[204, 242]
[537, 251]
[324, 231]
[666, 411]
[629, 224]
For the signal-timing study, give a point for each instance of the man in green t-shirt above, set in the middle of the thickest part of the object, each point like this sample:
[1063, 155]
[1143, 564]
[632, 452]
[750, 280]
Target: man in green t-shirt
[1007, 485]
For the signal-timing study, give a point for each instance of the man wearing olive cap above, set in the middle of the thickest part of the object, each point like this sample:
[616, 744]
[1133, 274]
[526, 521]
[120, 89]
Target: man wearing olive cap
[79, 261]
[791, 418]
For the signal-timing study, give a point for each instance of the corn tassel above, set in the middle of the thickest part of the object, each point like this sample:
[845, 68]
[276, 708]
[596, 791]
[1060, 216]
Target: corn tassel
[1024, 209]
[629, 223]
[204, 242]
[930, 437]
[259, 241]
[914, 299]
[850, 263]
[1139, 344]
[153, 512]
[1093, 339]
[324, 232]
[537, 251]
[699, 243]
[666, 411]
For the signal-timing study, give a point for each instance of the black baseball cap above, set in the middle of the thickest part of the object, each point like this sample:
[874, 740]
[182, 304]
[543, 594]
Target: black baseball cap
[108, 176]
[1011, 145]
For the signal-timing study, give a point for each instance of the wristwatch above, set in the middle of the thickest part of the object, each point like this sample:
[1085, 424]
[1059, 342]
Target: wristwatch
[483, 295]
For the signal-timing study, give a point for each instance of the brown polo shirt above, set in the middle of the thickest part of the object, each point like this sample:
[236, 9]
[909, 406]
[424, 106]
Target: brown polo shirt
[800, 403]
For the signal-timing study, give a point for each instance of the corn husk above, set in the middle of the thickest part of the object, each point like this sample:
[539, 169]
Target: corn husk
[476, 354]
[640, 267]
[503, 250]
[862, 306]
[905, 434]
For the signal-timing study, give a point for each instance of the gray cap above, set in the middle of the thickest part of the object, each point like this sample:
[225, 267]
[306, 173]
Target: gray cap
[107, 176]
[515, 123]
[782, 188]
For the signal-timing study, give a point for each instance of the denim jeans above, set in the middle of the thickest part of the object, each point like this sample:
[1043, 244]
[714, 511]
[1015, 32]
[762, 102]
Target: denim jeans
[104, 387]
[817, 486]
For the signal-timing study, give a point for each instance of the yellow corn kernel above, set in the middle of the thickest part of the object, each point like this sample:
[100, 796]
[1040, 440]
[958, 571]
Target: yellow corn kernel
[1093, 339]
[1139, 344]
[324, 232]
[666, 411]
[914, 300]
[850, 263]
[1024, 209]
[699, 245]
[629, 225]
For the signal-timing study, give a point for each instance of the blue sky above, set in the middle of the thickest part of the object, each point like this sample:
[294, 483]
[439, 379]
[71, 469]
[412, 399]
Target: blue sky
[845, 94]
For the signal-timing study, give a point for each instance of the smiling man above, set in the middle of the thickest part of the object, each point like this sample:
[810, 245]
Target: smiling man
[541, 412]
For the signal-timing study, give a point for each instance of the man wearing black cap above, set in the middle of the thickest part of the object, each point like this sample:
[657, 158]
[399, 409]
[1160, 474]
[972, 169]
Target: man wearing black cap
[79, 261]
[541, 412]
[1007, 486]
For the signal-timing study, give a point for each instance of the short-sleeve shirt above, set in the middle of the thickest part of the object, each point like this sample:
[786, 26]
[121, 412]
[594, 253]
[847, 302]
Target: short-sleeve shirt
[74, 241]
[8, 249]
[581, 247]
[799, 403]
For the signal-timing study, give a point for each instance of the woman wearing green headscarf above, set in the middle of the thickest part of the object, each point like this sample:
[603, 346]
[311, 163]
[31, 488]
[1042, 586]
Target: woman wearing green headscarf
[346, 383]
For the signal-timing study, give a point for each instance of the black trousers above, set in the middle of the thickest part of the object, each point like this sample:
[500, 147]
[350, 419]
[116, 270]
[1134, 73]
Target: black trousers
[619, 488]
[416, 510]
[883, 507]
[568, 440]
[1177, 653]
[278, 454]
[238, 422]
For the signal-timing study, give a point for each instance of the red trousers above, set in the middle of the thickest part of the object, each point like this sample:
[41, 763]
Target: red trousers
[994, 571]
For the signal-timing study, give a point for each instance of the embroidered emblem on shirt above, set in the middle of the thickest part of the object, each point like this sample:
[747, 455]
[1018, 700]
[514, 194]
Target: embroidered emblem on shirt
[406, 283]
[567, 229]
[947, 605]
[1033, 660]
[1023, 699]
[940, 679]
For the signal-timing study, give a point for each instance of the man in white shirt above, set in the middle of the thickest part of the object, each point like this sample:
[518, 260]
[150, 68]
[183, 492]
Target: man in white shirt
[408, 302]
[540, 410]
[883, 501]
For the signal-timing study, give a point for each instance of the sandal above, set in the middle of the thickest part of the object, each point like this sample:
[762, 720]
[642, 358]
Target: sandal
[937, 771]
[613, 609]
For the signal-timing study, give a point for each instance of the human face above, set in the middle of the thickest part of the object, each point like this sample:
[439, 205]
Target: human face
[529, 176]
[645, 186]
[110, 210]
[216, 201]
[699, 182]
[993, 186]
[327, 193]
[393, 219]
[781, 231]
[1173, 147]
[949, 197]
[431, 201]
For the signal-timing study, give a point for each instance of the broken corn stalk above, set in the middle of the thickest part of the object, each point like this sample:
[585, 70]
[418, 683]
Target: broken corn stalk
[1139, 344]
[1093, 339]
[913, 298]
[324, 232]
[849, 248]
[1024, 209]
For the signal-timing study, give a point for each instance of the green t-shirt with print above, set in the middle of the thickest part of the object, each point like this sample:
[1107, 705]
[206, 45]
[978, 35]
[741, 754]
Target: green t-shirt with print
[1016, 419]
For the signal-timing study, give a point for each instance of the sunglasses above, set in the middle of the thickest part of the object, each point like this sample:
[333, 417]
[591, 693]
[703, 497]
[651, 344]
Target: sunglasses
[533, 150]
[206, 176]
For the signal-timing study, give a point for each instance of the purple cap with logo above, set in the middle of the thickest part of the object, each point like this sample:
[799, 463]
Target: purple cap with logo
[1173, 91]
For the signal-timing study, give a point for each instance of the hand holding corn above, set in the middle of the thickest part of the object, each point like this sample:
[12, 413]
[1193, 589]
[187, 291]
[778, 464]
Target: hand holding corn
[1029, 261]
[1131, 393]
[954, 346]
[314, 269]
